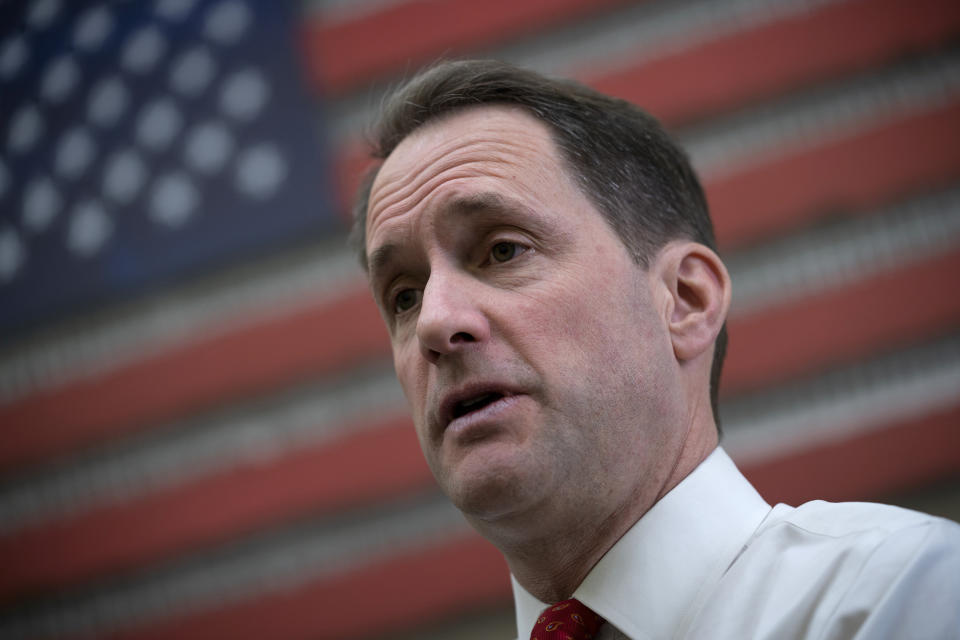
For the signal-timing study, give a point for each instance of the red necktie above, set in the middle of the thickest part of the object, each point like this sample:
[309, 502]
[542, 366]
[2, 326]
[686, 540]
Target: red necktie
[567, 620]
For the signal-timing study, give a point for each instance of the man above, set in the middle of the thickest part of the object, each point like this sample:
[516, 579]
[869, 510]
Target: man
[544, 261]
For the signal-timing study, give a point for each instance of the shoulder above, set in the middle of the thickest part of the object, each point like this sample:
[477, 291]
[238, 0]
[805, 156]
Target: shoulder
[840, 519]
[848, 542]
[892, 572]
[855, 540]
[845, 570]
[854, 527]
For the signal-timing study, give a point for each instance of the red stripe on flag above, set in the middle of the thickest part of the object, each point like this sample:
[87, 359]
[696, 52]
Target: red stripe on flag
[371, 463]
[843, 324]
[402, 37]
[750, 65]
[353, 161]
[859, 171]
[314, 341]
[866, 466]
[462, 574]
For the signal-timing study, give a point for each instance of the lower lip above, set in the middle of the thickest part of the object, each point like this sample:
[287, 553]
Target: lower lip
[484, 416]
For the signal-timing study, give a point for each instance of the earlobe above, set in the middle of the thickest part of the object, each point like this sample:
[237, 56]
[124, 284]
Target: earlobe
[698, 285]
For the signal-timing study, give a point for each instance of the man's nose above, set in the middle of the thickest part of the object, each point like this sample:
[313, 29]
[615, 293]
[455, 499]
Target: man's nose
[451, 318]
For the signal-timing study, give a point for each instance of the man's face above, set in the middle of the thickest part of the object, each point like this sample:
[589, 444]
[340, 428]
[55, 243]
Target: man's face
[532, 349]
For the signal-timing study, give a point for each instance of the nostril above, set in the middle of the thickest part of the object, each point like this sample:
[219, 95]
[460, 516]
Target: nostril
[431, 355]
[462, 336]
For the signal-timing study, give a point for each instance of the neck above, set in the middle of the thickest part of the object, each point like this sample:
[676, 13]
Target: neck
[533, 559]
[534, 563]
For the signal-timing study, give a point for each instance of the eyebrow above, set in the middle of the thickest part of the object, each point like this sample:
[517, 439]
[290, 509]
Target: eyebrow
[475, 203]
[379, 260]
[481, 202]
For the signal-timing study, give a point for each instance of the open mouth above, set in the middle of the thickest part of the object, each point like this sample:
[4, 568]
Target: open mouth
[464, 407]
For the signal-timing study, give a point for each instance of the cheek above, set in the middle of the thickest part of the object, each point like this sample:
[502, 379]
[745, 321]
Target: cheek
[608, 338]
[566, 333]
[412, 378]
[415, 390]
[598, 314]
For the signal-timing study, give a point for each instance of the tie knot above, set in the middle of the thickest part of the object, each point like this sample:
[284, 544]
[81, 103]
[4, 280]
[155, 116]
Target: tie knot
[567, 620]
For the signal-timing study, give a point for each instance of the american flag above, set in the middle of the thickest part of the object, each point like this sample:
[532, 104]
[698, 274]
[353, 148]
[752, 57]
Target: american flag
[145, 141]
[201, 432]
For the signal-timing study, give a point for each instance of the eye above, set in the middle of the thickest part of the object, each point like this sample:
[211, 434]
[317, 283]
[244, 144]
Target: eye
[504, 251]
[405, 300]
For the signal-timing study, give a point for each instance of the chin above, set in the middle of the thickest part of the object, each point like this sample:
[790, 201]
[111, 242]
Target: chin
[494, 485]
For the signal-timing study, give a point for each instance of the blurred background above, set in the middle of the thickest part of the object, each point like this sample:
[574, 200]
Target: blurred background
[200, 432]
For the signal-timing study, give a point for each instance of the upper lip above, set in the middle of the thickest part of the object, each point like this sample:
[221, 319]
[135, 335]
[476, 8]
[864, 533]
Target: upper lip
[450, 400]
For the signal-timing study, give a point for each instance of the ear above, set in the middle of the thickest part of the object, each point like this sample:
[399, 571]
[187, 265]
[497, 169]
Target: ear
[698, 296]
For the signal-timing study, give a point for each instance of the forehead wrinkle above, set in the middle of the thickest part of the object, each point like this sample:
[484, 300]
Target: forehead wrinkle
[398, 188]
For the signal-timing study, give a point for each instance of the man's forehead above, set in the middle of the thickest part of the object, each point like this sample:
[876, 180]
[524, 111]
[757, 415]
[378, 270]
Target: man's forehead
[449, 131]
[449, 144]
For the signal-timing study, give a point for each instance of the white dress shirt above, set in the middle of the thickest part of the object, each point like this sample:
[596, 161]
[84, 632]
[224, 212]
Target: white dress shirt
[712, 559]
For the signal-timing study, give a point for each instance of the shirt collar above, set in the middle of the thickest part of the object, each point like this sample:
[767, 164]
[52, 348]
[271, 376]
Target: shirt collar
[653, 580]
